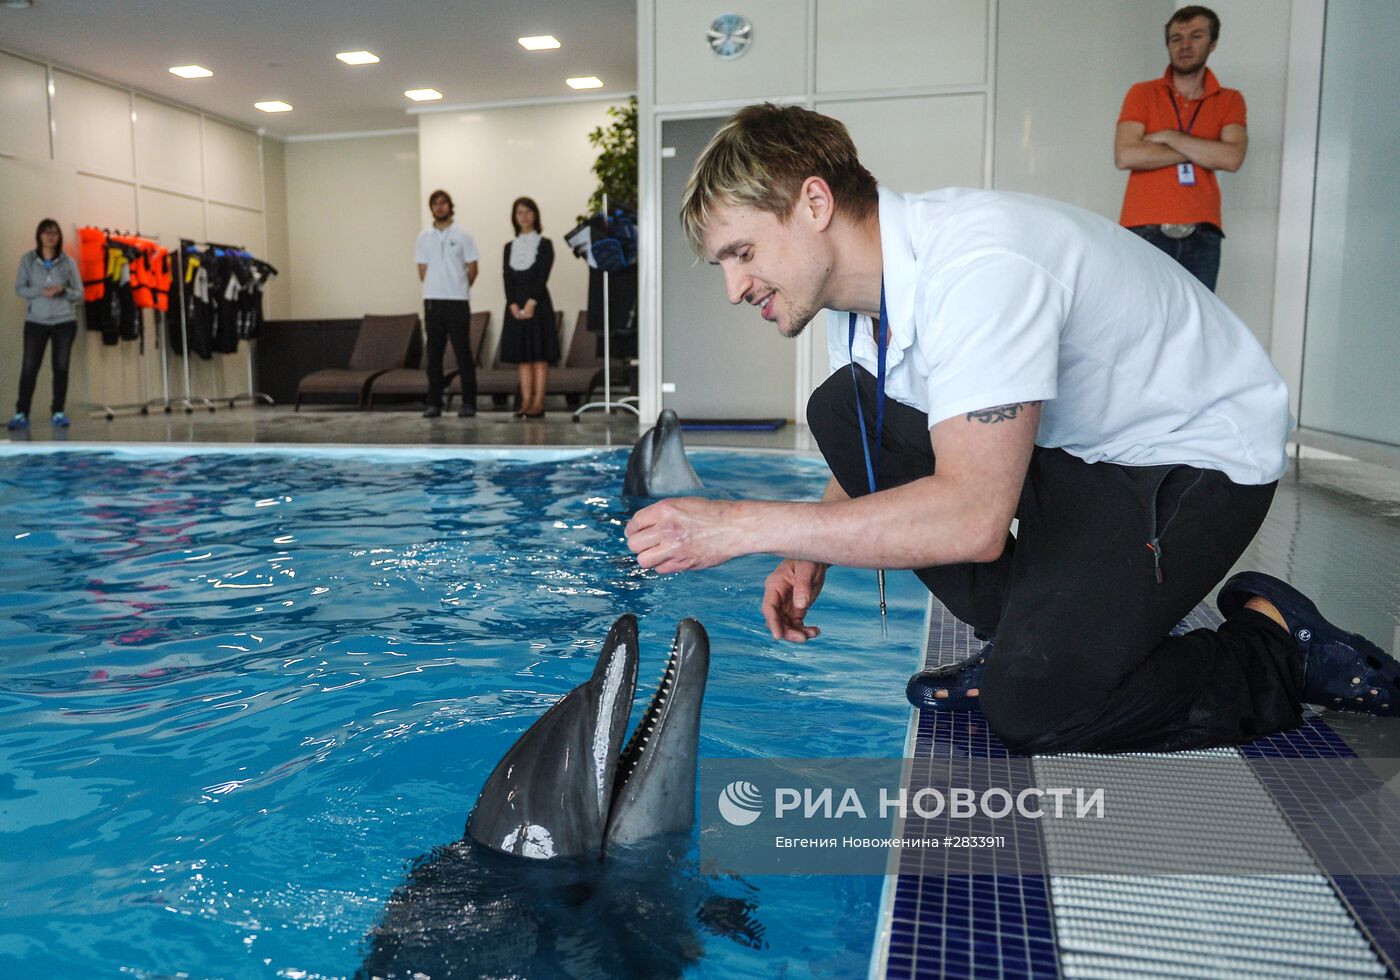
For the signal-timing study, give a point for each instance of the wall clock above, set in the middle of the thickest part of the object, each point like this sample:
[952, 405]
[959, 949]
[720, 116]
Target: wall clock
[730, 36]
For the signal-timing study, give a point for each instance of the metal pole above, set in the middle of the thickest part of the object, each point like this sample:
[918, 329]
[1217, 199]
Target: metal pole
[184, 328]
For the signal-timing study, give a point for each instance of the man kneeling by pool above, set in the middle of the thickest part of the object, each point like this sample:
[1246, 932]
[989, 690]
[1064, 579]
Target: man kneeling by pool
[1003, 356]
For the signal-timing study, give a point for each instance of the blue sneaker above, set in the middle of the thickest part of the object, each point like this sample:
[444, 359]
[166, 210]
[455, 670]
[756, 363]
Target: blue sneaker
[60, 421]
[1342, 671]
[946, 688]
[20, 421]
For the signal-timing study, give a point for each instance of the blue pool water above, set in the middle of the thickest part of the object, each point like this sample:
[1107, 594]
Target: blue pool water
[241, 692]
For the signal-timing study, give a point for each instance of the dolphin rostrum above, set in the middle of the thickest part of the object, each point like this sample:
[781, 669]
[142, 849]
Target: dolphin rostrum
[657, 466]
[567, 788]
[525, 891]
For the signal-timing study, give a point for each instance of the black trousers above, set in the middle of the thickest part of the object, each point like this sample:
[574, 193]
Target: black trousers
[449, 319]
[36, 338]
[1082, 608]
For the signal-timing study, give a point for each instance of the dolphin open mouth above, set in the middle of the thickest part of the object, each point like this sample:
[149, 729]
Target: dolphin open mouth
[568, 788]
[631, 756]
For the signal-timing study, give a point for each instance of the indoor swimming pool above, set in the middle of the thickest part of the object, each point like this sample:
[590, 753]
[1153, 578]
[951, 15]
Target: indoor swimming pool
[242, 692]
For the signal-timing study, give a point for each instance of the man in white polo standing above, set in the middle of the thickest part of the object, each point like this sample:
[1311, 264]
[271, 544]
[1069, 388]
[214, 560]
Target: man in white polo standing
[447, 267]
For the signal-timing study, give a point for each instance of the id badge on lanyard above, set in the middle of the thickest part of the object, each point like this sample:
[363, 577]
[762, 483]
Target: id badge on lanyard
[1186, 171]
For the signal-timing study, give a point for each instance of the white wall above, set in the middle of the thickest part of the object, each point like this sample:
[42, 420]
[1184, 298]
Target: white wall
[352, 216]
[1063, 67]
[357, 204]
[120, 159]
[1353, 330]
[487, 158]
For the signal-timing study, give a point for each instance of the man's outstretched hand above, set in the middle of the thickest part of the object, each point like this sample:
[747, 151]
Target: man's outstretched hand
[683, 534]
[788, 593]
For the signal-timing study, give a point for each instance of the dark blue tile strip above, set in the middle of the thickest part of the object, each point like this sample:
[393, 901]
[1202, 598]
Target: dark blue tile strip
[969, 925]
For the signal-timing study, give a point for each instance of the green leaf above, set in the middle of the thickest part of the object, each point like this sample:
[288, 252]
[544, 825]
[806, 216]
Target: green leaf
[616, 166]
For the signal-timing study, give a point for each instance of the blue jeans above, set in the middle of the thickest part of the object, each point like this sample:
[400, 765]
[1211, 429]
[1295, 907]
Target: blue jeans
[1198, 253]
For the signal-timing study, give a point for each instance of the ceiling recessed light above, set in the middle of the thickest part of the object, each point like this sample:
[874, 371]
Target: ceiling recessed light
[423, 94]
[585, 81]
[274, 106]
[358, 57]
[17, 4]
[540, 42]
[191, 71]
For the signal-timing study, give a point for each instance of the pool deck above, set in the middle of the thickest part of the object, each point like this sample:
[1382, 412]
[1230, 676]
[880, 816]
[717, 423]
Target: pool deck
[1334, 530]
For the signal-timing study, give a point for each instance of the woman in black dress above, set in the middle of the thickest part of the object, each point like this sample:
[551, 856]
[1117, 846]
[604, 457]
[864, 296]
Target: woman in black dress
[528, 335]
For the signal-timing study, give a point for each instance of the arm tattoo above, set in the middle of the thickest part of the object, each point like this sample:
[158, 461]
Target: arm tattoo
[1001, 413]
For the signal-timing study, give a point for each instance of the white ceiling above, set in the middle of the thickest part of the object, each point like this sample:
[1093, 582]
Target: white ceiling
[285, 49]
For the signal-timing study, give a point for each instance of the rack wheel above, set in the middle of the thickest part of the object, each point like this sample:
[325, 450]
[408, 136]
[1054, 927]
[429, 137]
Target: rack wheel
[110, 416]
[145, 410]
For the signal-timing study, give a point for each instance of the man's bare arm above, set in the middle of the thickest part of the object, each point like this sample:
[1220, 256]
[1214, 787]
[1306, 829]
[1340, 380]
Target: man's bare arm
[960, 513]
[1226, 153]
[422, 270]
[1132, 152]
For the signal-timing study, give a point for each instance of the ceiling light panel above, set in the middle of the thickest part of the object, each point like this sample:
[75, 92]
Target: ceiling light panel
[540, 42]
[423, 94]
[584, 81]
[274, 106]
[359, 57]
[191, 71]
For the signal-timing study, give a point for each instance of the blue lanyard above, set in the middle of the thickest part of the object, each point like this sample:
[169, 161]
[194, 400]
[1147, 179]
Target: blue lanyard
[872, 461]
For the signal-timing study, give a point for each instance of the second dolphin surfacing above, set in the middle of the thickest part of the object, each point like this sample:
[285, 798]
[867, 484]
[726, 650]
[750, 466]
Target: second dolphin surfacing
[658, 466]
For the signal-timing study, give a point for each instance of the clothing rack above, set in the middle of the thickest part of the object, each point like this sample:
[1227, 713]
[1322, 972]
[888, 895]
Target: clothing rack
[143, 407]
[607, 404]
[188, 400]
[252, 395]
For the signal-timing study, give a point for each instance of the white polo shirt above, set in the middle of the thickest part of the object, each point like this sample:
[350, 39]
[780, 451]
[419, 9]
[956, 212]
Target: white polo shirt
[446, 253]
[996, 298]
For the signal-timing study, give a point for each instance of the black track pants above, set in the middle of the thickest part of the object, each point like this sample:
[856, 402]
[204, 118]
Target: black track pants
[1081, 606]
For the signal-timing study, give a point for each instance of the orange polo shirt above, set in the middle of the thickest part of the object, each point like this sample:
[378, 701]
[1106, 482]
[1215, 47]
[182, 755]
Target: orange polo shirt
[1156, 197]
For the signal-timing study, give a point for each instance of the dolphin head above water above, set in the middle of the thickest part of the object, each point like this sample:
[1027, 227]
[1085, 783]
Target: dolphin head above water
[658, 466]
[568, 788]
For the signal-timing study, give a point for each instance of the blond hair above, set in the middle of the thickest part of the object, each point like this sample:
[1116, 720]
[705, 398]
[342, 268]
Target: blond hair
[760, 157]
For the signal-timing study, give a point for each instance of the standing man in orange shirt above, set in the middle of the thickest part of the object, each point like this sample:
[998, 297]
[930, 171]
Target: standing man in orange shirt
[1173, 134]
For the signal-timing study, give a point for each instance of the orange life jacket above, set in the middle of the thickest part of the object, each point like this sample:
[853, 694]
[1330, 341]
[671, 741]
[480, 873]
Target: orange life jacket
[141, 279]
[92, 262]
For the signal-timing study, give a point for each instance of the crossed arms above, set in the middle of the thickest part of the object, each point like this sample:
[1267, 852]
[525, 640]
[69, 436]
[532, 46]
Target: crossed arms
[1136, 149]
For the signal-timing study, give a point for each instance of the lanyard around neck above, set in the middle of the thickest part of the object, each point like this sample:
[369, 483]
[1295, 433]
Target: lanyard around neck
[1199, 106]
[872, 460]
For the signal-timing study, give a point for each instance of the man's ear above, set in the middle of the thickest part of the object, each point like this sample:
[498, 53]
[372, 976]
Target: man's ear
[815, 203]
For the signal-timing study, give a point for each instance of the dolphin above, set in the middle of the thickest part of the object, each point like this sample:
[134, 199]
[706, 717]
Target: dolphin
[567, 787]
[527, 890]
[657, 466]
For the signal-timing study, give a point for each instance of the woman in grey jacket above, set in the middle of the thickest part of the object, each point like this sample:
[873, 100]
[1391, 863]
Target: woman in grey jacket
[49, 281]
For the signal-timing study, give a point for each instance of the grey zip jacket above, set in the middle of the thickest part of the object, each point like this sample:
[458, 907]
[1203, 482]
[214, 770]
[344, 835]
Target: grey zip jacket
[33, 277]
